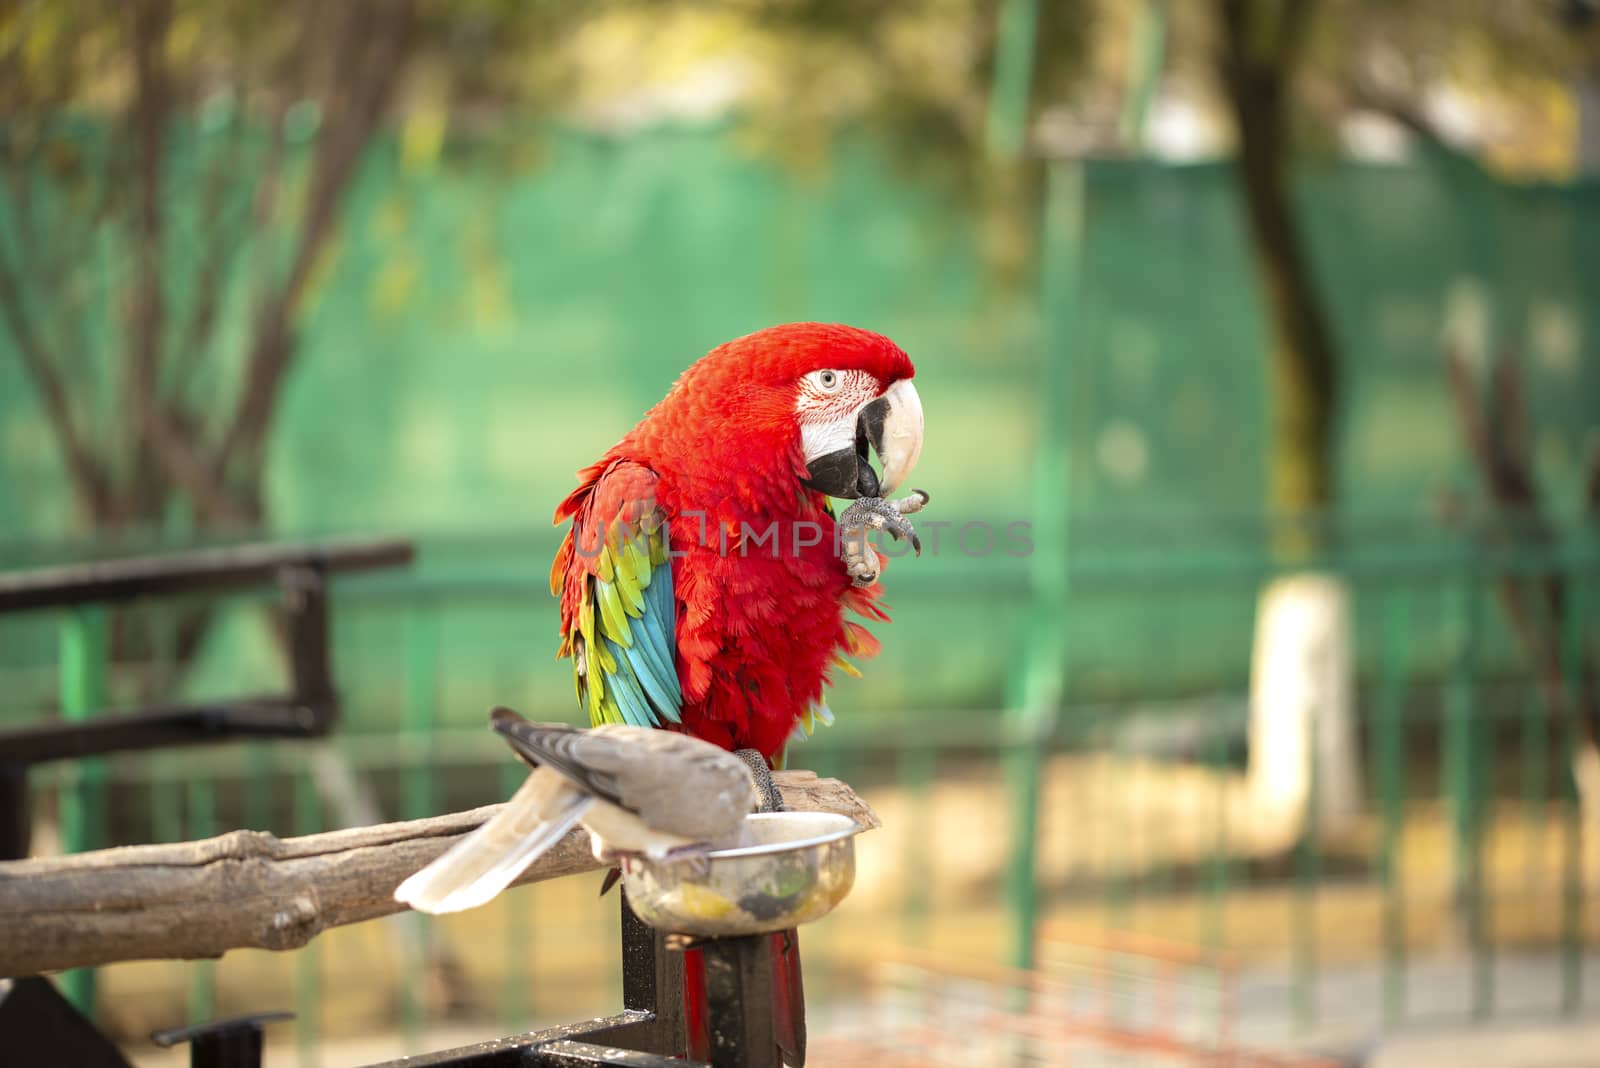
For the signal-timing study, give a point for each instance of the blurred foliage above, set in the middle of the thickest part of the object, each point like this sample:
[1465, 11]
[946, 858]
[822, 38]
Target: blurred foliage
[1513, 64]
[1502, 74]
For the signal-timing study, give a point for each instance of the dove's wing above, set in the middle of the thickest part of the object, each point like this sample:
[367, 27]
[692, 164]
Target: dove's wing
[676, 783]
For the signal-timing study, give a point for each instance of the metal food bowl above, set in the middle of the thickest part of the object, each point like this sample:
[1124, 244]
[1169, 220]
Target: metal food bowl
[778, 870]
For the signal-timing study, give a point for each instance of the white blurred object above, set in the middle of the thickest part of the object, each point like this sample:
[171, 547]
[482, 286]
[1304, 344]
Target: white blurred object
[1301, 714]
[1373, 138]
[1180, 130]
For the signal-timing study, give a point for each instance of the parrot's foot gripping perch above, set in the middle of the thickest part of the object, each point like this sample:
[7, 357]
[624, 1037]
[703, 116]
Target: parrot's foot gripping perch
[771, 799]
[875, 513]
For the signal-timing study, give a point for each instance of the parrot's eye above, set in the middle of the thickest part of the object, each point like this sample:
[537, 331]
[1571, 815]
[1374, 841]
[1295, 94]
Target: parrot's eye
[828, 381]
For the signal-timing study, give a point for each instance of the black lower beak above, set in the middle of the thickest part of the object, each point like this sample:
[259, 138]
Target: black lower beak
[843, 474]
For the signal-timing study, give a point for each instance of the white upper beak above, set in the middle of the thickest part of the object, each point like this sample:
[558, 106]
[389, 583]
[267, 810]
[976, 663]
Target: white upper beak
[902, 434]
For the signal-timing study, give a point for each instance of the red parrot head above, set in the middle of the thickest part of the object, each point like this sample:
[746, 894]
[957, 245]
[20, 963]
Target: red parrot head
[831, 394]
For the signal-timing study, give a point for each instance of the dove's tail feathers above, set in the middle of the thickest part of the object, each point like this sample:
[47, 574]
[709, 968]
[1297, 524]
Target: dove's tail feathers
[489, 859]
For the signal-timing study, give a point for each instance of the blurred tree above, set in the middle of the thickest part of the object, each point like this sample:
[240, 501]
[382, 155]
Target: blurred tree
[100, 159]
[1291, 73]
[173, 174]
[1261, 44]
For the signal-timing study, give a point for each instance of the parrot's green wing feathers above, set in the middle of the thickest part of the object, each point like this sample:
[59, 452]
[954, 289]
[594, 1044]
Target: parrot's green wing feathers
[622, 630]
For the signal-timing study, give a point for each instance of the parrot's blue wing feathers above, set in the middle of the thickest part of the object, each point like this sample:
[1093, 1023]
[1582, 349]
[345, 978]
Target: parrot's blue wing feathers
[624, 689]
[654, 662]
[626, 648]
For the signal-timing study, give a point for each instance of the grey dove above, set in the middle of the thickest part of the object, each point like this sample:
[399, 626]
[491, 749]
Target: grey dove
[638, 791]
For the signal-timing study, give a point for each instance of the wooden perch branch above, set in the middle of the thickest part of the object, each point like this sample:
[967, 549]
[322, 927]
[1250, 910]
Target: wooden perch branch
[249, 889]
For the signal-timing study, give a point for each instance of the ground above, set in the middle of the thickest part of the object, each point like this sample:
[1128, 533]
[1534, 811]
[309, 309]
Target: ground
[547, 953]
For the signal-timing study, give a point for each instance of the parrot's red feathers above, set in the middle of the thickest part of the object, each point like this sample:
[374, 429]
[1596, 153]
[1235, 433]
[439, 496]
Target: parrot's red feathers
[574, 500]
[757, 583]
[558, 567]
[859, 642]
[866, 601]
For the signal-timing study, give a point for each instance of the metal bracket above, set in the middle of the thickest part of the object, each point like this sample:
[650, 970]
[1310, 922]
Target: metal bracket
[231, 1043]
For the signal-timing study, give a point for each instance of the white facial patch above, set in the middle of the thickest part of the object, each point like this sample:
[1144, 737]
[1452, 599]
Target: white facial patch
[819, 439]
[828, 420]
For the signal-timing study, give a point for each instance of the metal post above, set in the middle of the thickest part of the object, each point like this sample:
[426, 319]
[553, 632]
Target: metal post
[1213, 933]
[202, 824]
[305, 596]
[1032, 717]
[1535, 787]
[14, 818]
[1013, 78]
[1388, 760]
[308, 962]
[1573, 632]
[517, 993]
[416, 798]
[1462, 763]
[652, 981]
[231, 1043]
[83, 664]
[739, 1002]
[239, 1048]
[258, 787]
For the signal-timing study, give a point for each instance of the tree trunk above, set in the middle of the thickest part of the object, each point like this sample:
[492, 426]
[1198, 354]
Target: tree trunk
[1260, 41]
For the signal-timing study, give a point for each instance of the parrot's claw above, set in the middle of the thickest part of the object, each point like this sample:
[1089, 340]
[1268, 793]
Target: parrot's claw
[771, 799]
[875, 513]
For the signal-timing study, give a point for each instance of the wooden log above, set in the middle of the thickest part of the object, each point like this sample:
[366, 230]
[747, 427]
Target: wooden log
[251, 889]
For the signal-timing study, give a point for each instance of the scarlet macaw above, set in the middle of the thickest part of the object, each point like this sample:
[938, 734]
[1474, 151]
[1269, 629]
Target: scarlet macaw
[703, 582]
